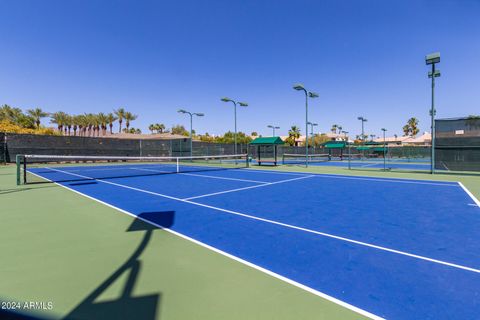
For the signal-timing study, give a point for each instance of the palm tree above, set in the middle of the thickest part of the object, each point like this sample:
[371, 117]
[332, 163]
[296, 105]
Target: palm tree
[411, 128]
[95, 124]
[372, 136]
[111, 119]
[160, 127]
[59, 118]
[120, 113]
[68, 124]
[82, 124]
[76, 124]
[103, 120]
[151, 128]
[340, 129]
[334, 128]
[293, 135]
[413, 123]
[37, 114]
[128, 118]
[90, 124]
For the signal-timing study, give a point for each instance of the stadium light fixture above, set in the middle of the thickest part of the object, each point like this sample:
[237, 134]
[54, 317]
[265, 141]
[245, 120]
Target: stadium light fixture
[273, 128]
[363, 131]
[301, 87]
[241, 104]
[432, 59]
[191, 114]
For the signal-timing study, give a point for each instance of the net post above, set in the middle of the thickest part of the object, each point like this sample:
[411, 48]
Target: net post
[178, 165]
[17, 162]
[248, 160]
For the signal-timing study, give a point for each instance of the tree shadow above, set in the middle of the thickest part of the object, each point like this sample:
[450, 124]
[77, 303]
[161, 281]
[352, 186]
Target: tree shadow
[127, 306]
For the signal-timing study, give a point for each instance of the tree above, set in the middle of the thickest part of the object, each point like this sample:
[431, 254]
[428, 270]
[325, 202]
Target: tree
[68, 124]
[340, 129]
[160, 127]
[254, 134]
[60, 118]
[411, 128]
[473, 122]
[120, 114]
[293, 135]
[37, 114]
[179, 129]
[129, 117]
[111, 119]
[103, 120]
[152, 128]
[229, 137]
[16, 116]
[334, 128]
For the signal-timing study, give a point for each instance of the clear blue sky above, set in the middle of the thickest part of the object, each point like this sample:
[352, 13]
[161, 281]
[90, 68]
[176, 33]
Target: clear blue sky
[362, 57]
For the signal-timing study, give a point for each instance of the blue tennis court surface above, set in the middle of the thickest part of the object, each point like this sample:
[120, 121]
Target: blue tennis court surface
[396, 249]
[374, 164]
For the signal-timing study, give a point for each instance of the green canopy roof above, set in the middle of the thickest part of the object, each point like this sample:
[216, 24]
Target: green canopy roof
[334, 144]
[267, 140]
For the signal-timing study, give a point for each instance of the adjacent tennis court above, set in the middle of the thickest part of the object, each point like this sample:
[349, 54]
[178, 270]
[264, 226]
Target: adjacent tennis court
[385, 248]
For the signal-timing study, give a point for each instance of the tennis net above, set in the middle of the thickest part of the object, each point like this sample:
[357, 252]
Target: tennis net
[56, 168]
[289, 158]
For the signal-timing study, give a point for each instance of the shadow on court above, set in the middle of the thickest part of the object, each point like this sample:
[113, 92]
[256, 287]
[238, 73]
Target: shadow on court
[127, 306]
[16, 190]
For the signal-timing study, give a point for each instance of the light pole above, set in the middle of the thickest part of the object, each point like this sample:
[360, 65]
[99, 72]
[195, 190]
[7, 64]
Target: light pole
[384, 151]
[242, 104]
[191, 114]
[348, 144]
[363, 132]
[273, 128]
[432, 59]
[300, 87]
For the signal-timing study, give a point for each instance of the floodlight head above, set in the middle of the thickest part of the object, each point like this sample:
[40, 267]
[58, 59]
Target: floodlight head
[225, 99]
[314, 124]
[362, 119]
[181, 111]
[277, 127]
[243, 104]
[432, 58]
[383, 129]
[269, 126]
[313, 95]
[298, 86]
[199, 114]
[436, 74]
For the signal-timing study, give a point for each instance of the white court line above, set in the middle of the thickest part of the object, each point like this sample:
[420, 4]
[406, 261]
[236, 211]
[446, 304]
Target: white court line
[246, 188]
[328, 235]
[388, 180]
[339, 176]
[477, 202]
[228, 255]
[369, 165]
[203, 176]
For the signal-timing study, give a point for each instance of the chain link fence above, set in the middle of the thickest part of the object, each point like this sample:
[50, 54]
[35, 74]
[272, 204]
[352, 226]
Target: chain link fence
[457, 144]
